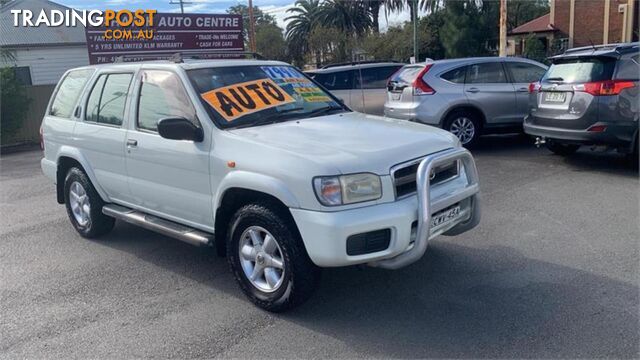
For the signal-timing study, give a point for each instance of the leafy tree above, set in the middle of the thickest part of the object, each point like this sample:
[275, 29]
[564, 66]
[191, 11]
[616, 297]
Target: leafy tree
[270, 42]
[522, 11]
[534, 49]
[14, 104]
[302, 21]
[348, 16]
[469, 27]
[259, 17]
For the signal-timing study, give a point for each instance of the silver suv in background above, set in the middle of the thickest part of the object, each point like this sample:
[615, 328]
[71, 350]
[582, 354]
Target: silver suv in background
[361, 86]
[589, 96]
[467, 97]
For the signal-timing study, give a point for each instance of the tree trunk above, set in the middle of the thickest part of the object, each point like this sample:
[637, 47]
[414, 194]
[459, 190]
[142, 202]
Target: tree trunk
[374, 6]
[318, 59]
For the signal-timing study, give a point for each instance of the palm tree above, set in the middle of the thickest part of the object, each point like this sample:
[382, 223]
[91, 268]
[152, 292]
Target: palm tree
[301, 23]
[348, 16]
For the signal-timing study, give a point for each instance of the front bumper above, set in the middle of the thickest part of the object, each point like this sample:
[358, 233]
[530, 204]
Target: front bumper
[325, 233]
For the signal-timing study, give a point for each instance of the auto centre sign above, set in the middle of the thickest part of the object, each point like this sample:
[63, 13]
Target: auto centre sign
[164, 34]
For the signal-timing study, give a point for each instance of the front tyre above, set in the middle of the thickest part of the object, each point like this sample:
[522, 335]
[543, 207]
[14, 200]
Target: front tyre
[268, 258]
[84, 205]
[562, 149]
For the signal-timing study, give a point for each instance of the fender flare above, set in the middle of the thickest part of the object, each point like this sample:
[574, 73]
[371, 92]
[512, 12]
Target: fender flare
[256, 182]
[460, 106]
[75, 154]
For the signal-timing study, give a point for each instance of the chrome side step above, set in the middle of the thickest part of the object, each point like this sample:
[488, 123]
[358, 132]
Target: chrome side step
[154, 223]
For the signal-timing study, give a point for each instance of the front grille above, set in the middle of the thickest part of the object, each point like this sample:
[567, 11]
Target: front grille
[404, 178]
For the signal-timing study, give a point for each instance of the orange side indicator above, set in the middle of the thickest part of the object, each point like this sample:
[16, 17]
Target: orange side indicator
[231, 164]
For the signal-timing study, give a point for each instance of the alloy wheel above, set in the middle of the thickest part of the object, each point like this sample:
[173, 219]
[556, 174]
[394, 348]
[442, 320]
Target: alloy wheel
[79, 202]
[464, 129]
[261, 259]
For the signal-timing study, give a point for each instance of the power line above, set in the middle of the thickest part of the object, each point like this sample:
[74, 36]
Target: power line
[182, 3]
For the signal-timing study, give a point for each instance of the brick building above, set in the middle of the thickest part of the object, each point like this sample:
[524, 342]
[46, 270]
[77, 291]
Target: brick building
[573, 23]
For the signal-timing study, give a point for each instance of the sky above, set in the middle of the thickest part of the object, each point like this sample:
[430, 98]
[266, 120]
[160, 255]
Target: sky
[276, 8]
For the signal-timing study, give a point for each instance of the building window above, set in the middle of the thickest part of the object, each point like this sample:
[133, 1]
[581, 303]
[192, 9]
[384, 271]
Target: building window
[23, 75]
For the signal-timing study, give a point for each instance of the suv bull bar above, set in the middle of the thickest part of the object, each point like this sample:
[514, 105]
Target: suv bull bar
[426, 208]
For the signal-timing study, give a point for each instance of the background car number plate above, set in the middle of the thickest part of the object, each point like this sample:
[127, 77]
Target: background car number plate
[554, 96]
[395, 96]
[445, 216]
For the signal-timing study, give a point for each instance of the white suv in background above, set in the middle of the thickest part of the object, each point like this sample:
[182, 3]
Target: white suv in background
[253, 158]
[361, 86]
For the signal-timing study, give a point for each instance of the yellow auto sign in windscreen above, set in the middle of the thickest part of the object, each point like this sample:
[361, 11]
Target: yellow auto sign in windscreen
[237, 100]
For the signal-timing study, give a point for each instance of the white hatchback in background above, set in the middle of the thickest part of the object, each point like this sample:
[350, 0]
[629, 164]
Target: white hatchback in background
[361, 86]
[252, 157]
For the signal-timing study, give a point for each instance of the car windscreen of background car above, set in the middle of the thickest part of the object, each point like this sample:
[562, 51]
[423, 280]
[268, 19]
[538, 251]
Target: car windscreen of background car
[580, 70]
[254, 95]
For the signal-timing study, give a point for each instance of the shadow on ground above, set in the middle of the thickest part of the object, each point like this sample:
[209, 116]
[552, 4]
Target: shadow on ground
[457, 301]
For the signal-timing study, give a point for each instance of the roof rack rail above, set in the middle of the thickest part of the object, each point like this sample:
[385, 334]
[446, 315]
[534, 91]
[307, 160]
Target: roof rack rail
[617, 47]
[357, 63]
[179, 57]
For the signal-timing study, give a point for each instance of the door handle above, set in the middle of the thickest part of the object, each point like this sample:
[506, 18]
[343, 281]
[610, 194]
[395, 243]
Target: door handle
[132, 143]
[523, 89]
[473, 90]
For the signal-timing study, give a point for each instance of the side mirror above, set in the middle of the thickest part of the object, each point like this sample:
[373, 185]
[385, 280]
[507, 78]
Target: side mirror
[179, 128]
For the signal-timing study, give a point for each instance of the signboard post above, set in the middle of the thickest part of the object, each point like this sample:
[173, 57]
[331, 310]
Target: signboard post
[189, 34]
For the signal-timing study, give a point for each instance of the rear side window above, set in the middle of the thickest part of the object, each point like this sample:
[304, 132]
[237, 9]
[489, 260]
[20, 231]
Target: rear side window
[375, 77]
[486, 73]
[456, 75]
[108, 97]
[68, 93]
[340, 80]
[525, 73]
[628, 69]
[407, 74]
[162, 95]
[580, 70]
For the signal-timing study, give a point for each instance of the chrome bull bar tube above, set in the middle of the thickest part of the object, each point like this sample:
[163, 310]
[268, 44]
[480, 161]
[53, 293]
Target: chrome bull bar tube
[425, 207]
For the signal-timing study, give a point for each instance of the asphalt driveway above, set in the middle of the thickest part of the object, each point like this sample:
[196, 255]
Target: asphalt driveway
[552, 271]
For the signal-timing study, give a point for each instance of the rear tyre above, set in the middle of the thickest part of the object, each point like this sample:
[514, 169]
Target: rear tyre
[465, 125]
[84, 205]
[268, 259]
[562, 149]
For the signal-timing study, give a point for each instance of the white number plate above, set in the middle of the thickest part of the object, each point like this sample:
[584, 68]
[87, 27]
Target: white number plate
[395, 96]
[554, 96]
[445, 216]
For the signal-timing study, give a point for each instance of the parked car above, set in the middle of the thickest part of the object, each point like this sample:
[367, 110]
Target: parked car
[361, 86]
[255, 159]
[467, 97]
[589, 96]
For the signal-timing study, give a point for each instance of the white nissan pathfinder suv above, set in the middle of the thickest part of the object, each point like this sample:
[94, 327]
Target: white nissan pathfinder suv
[255, 159]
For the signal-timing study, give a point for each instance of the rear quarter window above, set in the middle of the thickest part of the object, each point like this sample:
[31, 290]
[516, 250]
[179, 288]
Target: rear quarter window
[68, 93]
[456, 75]
[339, 80]
[628, 69]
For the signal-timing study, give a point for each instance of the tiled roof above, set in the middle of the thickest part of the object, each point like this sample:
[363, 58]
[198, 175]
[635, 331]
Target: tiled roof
[41, 35]
[540, 24]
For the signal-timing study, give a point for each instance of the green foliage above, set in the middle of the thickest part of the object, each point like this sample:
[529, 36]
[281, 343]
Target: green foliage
[14, 104]
[260, 18]
[270, 42]
[522, 11]
[534, 49]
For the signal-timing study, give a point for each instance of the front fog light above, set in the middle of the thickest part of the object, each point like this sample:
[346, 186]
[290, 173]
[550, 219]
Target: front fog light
[347, 189]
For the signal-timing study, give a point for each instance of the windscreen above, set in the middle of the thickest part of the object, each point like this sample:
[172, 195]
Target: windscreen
[580, 70]
[244, 96]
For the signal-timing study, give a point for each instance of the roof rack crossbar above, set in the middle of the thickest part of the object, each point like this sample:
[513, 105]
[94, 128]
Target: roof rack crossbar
[357, 63]
[617, 47]
[179, 57]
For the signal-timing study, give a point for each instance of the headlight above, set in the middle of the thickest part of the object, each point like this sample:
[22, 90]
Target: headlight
[347, 189]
